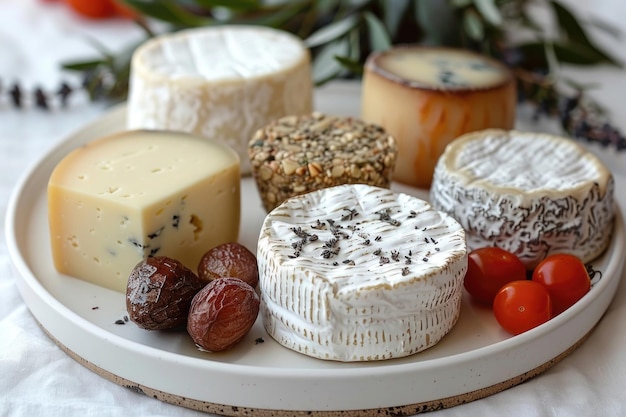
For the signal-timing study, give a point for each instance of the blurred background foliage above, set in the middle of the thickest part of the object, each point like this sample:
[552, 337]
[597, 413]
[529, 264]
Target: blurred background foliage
[534, 38]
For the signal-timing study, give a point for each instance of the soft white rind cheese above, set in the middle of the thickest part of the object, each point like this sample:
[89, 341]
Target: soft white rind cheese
[219, 82]
[122, 198]
[532, 194]
[359, 273]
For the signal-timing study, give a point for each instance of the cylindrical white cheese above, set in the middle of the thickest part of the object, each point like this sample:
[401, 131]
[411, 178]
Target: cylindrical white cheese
[360, 273]
[220, 82]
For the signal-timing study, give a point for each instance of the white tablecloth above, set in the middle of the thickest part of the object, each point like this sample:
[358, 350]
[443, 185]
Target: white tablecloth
[38, 379]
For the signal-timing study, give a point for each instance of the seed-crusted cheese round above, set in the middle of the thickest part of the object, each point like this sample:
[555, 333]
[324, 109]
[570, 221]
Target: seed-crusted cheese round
[360, 273]
[219, 82]
[438, 94]
[294, 155]
[532, 194]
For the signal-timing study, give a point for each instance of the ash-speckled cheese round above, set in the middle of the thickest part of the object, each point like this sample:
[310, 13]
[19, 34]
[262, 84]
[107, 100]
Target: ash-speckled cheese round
[360, 273]
[219, 82]
[438, 94]
[532, 194]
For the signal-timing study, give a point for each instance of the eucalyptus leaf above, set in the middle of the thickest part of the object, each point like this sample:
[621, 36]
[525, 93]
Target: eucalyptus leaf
[83, 65]
[568, 24]
[230, 4]
[332, 31]
[473, 25]
[438, 21]
[169, 11]
[325, 64]
[393, 11]
[580, 54]
[378, 36]
[353, 66]
[489, 10]
[460, 3]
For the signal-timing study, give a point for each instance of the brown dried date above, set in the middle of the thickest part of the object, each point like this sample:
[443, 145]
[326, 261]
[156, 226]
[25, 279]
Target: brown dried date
[222, 313]
[229, 260]
[159, 293]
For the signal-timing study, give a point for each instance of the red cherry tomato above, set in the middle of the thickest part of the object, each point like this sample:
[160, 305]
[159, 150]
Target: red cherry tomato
[522, 305]
[488, 270]
[93, 9]
[566, 279]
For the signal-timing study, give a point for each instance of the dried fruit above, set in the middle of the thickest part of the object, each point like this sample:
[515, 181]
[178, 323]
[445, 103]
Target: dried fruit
[229, 260]
[222, 313]
[159, 293]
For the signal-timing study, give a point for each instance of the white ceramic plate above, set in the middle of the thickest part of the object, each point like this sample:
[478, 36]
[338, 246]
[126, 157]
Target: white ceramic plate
[475, 359]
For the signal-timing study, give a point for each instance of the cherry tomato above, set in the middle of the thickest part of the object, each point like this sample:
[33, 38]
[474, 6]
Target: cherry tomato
[93, 9]
[488, 270]
[522, 305]
[566, 279]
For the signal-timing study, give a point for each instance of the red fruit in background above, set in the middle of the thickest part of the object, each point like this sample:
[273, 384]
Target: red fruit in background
[93, 9]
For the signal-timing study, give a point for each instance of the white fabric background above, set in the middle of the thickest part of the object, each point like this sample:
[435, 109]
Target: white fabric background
[38, 379]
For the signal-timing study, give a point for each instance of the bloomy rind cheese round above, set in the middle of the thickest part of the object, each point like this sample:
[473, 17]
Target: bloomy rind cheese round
[359, 273]
[531, 194]
[220, 82]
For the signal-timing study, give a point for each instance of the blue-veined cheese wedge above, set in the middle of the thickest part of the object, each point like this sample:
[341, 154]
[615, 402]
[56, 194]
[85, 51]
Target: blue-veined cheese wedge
[426, 97]
[220, 82]
[359, 273]
[529, 193]
[125, 197]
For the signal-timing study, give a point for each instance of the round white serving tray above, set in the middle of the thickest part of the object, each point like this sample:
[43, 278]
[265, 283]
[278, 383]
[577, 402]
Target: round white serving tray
[260, 377]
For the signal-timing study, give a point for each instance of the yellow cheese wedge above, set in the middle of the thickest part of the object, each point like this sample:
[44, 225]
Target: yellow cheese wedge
[125, 197]
[426, 97]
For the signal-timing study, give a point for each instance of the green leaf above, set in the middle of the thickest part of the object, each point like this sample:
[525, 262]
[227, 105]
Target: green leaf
[460, 3]
[332, 31]
[351, 65]
[473, 25]
[580, 54]
[568, 24]
[169, 11]
[489, 10]
[325, 64]
[229, 4]
[83, 65]
[378, 36]
[438, 21]
[393, 12]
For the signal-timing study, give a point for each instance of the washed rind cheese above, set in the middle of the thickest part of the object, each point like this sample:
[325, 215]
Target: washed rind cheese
[425, 97]
[531, 194]
[219, 82]
[298, 154]
[359, 273]
[122, 198]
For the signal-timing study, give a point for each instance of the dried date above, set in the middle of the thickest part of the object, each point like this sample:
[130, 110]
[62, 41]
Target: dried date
[222, 313]
[159, 293]
[229, 260]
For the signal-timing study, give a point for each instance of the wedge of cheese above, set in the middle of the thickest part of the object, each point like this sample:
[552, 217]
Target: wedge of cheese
[532, 194]
[123, 198]
[222, 82]
[359, 273]
[426, 97]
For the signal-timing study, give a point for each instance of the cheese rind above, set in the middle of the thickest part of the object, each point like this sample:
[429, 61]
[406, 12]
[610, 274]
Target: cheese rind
[531, 194]
[125, 197]
[438, 95]
[359, 273]
[219, 82]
